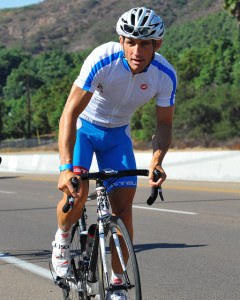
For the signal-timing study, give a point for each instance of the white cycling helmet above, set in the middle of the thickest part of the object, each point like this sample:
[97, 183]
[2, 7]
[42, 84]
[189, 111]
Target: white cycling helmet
[140, 23]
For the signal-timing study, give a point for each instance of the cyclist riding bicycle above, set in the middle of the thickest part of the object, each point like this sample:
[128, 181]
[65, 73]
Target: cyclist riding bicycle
[115, 79]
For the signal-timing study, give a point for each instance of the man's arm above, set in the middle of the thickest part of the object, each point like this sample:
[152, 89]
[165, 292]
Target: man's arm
[161, 141]
[77, 101]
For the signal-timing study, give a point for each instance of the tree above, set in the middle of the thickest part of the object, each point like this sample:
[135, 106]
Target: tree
[14, 119]
[233, 7]
[9, 60]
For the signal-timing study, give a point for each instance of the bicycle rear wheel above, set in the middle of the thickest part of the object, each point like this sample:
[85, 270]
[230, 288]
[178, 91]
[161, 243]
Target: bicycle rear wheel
[74, 291]
[131, 278]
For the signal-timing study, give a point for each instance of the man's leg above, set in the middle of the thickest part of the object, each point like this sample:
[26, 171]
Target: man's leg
[61, 244]
[82, 157]
[66, 220]
[121, 200]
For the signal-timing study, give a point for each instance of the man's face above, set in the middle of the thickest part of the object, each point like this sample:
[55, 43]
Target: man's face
[138, 53]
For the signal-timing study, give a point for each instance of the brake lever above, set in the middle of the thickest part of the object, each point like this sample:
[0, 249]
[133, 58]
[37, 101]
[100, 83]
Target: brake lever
[160, 192]
[70, 199]
[155, 190]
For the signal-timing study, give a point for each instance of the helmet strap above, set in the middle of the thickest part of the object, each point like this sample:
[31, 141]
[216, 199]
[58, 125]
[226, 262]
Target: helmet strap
[154, 47]
[123, 46]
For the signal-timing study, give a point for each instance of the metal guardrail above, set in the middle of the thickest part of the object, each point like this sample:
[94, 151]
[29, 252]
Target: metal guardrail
[27, 143]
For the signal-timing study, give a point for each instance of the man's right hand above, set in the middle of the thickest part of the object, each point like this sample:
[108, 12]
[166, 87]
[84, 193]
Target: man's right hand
[65, 185]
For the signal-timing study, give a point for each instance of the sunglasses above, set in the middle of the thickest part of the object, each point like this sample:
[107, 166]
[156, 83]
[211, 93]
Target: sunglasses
[141, 29]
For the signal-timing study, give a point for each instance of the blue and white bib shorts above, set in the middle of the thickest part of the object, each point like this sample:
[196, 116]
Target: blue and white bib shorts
[113, 149]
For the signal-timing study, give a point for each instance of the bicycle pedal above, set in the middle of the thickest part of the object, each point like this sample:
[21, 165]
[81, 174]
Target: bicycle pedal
[117, 287]
[58, 282]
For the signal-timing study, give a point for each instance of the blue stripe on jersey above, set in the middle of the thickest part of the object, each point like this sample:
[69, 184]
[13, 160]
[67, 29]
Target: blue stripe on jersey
[125, 63]
[99, 65]
[170, 73]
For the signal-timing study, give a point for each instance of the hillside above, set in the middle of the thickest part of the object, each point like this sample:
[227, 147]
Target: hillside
[81, 24]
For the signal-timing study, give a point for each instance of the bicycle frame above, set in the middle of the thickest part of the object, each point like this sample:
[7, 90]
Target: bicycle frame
[103, 217]
[91, 268]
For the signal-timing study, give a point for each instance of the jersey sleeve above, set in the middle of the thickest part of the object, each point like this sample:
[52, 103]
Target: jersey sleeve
[91, 72]
[166, 94]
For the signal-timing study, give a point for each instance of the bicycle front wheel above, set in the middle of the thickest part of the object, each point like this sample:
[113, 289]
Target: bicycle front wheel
[76, 290]
[129, 269]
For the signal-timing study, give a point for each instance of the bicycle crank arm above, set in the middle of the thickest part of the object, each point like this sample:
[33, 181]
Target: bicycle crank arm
[58, 282]
[76, 277]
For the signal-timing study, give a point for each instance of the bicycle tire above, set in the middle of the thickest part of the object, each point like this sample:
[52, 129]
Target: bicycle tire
[71, 292]
[133, 293]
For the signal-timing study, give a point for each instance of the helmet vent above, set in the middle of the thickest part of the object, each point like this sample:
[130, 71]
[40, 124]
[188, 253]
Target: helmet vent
[144, 21]
[133, 17]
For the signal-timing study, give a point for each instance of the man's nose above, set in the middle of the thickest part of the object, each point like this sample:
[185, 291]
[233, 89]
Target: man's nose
[137, 49]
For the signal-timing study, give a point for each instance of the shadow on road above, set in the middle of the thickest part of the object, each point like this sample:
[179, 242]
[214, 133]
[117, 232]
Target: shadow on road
[146, 247]
[27, 209]
[9, 177]
[45, 255]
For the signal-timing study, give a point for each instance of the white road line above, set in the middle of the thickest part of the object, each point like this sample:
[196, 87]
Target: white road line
[26, 265]
[7, 192]
[166, 210]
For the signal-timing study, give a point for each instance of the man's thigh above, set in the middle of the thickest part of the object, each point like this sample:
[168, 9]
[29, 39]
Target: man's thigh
[121, 200]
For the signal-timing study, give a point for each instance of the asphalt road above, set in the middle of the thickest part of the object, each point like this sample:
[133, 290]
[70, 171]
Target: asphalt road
[187, 247]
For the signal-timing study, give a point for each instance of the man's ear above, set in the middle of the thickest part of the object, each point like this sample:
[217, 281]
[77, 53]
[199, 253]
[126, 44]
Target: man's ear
[158, 45]
[121, 39]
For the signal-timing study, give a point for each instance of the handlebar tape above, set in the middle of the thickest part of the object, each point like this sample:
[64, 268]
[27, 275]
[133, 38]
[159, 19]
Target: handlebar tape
[70, 199]
[154, 190]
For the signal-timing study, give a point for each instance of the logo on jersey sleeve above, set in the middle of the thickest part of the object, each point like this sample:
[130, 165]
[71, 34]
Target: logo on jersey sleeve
[100, 87]
[144, 86]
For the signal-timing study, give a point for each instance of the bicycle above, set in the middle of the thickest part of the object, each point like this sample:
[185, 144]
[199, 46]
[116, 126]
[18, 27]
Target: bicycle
[93, 263]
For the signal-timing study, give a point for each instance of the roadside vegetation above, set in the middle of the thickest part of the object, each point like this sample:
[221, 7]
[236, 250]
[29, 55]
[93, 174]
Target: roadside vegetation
[205, 54]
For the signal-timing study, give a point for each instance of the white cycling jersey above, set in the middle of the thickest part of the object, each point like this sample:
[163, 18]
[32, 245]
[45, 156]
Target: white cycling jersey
[117, 93]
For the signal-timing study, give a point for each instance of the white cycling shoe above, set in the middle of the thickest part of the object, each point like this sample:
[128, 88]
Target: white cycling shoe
[61, 259]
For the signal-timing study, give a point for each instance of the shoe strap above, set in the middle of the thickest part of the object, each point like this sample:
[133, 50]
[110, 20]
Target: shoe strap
[60, 246]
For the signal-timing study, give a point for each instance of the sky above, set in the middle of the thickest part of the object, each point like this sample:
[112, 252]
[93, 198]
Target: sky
[17, 3]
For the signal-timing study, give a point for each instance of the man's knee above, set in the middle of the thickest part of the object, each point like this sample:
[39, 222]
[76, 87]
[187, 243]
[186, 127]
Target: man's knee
[66, 220]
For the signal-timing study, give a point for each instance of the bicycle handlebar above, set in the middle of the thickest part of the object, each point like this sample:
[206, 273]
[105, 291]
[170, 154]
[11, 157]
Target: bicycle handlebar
[109, 173]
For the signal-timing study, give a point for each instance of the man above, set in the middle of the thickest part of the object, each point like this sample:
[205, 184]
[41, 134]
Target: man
[114, 81]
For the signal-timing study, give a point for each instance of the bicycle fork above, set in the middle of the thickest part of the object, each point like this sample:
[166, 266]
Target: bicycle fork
[103, 251]
[120, 256]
